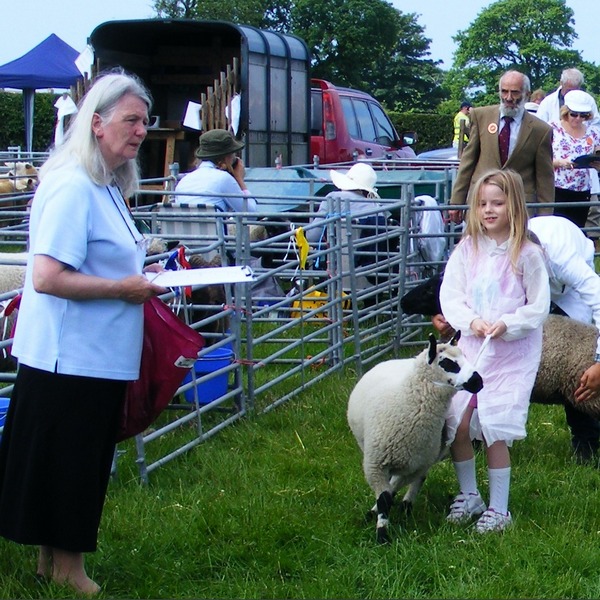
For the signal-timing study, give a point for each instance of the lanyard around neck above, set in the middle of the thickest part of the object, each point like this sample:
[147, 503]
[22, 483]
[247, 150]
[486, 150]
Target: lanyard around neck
[128, 220]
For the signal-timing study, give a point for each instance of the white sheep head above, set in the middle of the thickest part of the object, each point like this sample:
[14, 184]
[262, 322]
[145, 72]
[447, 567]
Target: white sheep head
[454, 369]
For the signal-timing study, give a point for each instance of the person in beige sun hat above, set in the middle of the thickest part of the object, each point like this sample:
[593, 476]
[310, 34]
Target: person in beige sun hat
[361, 177]
[356, 186]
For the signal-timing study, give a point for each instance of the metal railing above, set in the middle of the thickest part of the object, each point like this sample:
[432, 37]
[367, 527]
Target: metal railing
[302, 319]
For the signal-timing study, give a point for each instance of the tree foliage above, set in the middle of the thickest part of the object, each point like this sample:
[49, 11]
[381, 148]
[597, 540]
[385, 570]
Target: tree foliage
[174, 9]
[346, 37]
[264, 14]
[409, 81]
[532, 37]
[370, 45]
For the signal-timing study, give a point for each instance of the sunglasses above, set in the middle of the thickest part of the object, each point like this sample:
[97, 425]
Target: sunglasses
[581, 115]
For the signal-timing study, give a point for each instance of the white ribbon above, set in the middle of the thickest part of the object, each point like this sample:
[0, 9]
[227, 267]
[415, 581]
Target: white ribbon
[482, 349]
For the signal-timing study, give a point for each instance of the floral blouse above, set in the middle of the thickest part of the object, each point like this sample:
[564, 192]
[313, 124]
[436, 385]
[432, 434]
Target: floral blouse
[564, 146]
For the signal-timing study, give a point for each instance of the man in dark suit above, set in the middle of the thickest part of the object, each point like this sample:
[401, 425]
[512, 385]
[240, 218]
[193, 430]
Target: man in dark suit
[529, 146]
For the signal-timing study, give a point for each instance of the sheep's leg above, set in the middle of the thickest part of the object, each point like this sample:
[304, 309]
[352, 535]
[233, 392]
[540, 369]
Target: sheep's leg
[413, 490]
[384, 505]
[380, 483]
[379, 480]
[409, 498]
[395, 483]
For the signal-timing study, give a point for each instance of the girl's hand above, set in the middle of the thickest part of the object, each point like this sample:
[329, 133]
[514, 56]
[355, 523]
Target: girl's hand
[480, 327]
[498, 329]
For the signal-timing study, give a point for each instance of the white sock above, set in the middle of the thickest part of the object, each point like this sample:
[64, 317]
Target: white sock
[499, 488]
[465, 473]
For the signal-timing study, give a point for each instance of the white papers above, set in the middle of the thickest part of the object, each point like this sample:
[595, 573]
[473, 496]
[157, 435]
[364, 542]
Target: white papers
[233, 112]
[205, 276]
[64, 106]
[192, 116]
[85, 61]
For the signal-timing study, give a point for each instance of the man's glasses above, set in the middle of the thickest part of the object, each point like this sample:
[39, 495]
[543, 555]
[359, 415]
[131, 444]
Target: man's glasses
[580, 115]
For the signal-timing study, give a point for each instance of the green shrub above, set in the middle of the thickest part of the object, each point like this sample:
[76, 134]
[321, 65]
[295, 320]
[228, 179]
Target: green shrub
[12, 126]
[433, 130]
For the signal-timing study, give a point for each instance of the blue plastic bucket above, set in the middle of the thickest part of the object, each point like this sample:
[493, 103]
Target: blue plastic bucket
[4, 402]
[217, 386]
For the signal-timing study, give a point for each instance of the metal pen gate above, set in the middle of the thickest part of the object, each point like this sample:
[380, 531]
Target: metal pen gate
[310, 322]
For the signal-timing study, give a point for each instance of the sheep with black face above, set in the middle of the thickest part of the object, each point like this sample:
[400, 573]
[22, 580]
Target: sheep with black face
[397, 413]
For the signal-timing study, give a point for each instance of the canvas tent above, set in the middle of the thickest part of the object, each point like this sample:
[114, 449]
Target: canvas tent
[51, 64]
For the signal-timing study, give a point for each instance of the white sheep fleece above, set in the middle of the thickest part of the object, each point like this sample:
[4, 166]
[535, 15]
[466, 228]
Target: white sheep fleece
[397, 415]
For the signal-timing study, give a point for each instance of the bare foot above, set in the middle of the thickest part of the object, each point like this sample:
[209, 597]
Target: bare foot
[80, 582]
[44, 565]
[68, 568]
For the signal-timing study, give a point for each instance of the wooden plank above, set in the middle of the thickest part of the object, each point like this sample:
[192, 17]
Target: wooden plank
[169, 137]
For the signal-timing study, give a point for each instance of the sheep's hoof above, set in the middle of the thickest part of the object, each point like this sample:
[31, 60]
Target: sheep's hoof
[382, 535]
[406, 507]
[370, 516]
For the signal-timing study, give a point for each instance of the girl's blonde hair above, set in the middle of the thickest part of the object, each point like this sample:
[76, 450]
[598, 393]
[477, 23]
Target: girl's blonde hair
[511, 184]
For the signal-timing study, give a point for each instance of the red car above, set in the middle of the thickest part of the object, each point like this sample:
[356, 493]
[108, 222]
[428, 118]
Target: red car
[347, 124]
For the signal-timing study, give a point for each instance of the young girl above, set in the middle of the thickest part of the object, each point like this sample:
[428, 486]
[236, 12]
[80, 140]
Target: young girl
[495, 285]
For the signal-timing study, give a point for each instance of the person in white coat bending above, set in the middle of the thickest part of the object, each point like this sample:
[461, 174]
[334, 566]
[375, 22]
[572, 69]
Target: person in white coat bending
[575, 292]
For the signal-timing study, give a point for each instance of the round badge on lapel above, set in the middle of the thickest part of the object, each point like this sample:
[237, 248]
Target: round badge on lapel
[493, 128]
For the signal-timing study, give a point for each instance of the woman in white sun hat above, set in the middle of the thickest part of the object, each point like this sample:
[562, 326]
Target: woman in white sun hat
[356, 188]
[574, 136]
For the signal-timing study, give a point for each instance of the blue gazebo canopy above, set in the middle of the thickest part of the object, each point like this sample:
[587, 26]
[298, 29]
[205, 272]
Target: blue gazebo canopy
[51, 64]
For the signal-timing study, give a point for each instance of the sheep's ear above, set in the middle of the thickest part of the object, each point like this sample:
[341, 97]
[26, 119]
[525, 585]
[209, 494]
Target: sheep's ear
[432, 347]
[455, 338]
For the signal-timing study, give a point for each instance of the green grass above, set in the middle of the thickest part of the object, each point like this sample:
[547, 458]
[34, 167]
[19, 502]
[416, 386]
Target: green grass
[274, 506]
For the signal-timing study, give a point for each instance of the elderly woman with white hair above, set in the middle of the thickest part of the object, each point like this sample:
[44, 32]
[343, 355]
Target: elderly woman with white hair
[78, 338]
[574, 136]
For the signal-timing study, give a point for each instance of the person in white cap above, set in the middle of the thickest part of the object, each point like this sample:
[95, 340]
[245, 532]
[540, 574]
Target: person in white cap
[574, 136]
[357, 186]
[531, 107]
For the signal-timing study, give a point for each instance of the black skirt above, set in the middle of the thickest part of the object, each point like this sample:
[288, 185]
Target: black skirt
[55, 458]
[576, 214]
